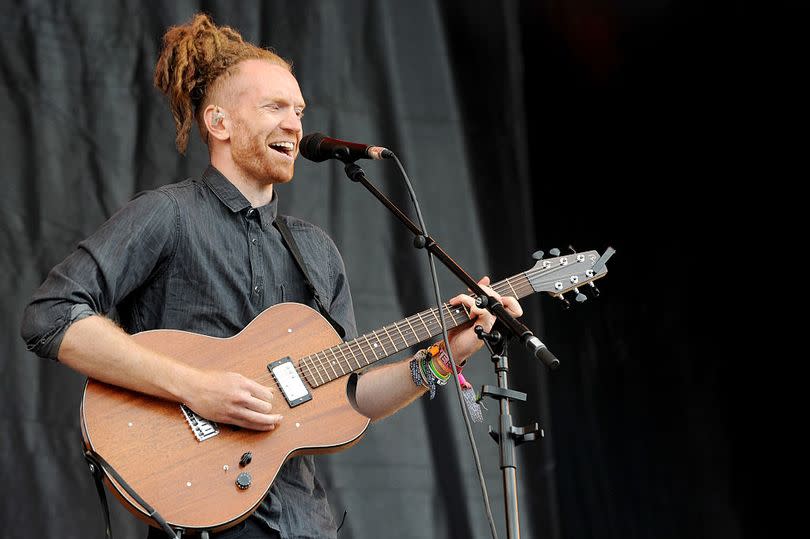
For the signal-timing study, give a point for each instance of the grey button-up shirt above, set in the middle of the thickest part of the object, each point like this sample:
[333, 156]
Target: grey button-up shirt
[196, 256]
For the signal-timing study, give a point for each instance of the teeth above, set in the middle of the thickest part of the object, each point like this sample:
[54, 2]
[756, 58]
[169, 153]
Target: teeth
[283, 145]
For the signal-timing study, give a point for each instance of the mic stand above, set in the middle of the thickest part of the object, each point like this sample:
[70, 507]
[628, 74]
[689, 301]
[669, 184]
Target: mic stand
[484, 301]
[508, 436]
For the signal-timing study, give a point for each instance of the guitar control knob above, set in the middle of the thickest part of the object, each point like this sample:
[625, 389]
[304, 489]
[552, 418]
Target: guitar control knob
[246, 458]
[243, 480]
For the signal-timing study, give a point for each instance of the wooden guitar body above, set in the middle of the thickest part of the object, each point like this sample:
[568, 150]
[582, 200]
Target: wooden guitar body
[192, 483]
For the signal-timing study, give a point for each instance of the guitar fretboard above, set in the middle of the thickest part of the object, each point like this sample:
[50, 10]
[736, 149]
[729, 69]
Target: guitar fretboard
[345, 358]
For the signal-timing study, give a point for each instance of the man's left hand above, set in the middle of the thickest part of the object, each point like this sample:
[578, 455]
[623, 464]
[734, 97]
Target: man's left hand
[463, 340]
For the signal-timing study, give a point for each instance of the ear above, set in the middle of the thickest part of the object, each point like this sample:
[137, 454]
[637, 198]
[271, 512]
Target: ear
[216, 122]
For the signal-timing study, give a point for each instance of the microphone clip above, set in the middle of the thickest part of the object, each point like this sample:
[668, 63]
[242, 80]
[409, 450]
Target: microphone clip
[493, 338]
[354, 171]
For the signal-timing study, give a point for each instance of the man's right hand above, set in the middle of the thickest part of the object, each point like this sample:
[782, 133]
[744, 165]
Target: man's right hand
[229, 397]
[98, 348]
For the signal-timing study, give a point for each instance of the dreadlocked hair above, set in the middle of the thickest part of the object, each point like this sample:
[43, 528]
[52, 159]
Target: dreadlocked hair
[194, 58]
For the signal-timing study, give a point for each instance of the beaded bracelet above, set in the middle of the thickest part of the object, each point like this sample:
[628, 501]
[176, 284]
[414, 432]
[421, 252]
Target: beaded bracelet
[421, 373]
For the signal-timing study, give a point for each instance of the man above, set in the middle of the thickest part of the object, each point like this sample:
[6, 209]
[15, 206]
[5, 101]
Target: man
[204, 255]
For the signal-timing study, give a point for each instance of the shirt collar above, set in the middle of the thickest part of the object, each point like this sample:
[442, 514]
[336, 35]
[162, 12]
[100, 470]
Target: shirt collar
[229, 195]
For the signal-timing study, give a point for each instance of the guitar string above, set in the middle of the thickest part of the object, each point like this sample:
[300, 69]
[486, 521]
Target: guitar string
[322, 369]
[432, 328]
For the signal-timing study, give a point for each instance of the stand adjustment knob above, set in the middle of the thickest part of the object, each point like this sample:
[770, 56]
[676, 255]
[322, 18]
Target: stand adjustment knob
[243, 481]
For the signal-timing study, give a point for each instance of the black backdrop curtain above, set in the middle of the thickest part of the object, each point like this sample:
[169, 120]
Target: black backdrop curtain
[523, 126]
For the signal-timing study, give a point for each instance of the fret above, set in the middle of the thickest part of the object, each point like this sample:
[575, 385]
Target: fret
[415, 336]
[340, 347]
[451, 314]
[385, 352]
[466, 310]
[360, 347]
[509, 285]
[404, 340]
[436, 316]
[304, 363]
[371, 347]
[391, 340]
[318, 368]
[326, 362]
[349, 344]
[336, 361]
[423, 323]
[523, 281]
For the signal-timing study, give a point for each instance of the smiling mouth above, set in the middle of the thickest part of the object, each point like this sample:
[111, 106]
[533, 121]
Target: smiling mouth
[286, 148]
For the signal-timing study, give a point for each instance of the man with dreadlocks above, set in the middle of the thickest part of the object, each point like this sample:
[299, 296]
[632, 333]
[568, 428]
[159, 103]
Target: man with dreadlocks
[203, 255]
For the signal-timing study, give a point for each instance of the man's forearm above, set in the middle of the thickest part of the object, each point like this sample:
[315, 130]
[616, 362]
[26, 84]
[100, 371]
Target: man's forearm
[385, 390]
[98, 348]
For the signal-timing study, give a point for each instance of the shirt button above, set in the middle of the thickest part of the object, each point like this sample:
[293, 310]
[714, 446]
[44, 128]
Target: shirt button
[253, 241]
[250, 212]
[257, 289]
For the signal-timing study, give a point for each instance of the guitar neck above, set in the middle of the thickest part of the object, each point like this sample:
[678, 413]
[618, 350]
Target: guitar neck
[333, 363]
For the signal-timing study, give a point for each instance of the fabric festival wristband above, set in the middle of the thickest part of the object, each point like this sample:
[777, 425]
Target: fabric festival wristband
[440, 379]
[438, 352]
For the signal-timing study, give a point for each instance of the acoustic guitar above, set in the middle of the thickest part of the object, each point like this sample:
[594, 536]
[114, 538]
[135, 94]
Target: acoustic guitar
[199, 475]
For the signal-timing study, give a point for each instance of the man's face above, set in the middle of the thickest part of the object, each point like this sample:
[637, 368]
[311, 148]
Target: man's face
[266, 113]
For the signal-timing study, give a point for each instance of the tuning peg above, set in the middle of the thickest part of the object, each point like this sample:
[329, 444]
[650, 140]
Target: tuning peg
[580, 298]
[566, 305]
[594, 291]
[554, 252]
[538, 255]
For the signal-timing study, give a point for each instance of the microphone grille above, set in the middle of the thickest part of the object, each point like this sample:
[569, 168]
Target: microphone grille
[309, 146]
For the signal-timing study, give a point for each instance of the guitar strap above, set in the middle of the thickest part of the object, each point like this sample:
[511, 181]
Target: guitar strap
[289, 242]
[98, 476]
[99, 467]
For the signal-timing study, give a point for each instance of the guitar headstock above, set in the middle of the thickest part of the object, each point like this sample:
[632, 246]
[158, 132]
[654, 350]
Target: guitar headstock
[564, 273]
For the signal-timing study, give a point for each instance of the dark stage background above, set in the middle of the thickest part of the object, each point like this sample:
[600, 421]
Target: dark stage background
[523, 126]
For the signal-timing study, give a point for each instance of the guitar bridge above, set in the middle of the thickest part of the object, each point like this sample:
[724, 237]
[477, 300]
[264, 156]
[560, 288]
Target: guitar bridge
[289, 381]
[201, 427]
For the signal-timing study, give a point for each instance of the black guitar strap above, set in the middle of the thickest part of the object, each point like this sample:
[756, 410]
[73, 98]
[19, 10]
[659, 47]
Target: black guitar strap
[99, 466]
[98, 475]
[289, 242]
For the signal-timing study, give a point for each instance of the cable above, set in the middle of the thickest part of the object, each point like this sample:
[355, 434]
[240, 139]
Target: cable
[439, 302]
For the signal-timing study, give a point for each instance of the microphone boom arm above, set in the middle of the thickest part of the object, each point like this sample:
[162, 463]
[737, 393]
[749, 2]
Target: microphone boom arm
[423, 241]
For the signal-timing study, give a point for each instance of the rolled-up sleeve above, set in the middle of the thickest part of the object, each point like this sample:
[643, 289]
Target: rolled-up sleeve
[135, 243]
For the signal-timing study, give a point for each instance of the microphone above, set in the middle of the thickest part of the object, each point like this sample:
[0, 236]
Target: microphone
[318, 147]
